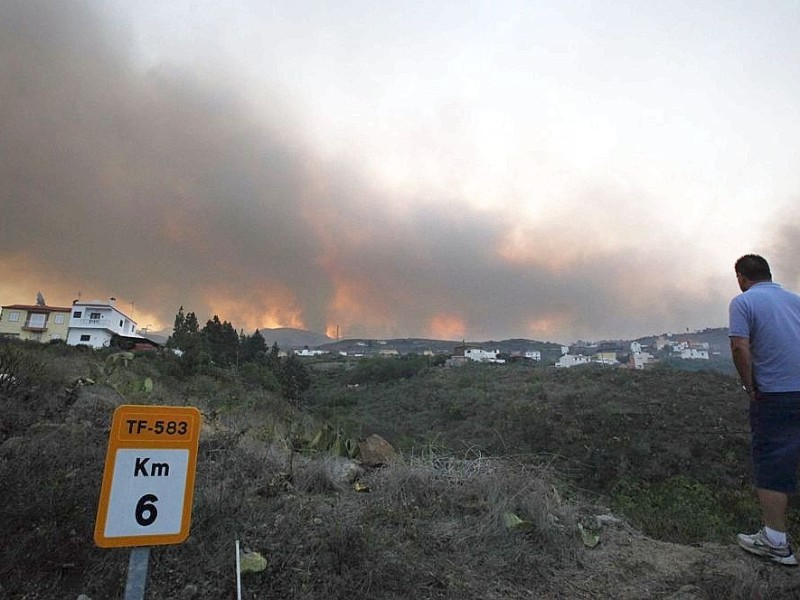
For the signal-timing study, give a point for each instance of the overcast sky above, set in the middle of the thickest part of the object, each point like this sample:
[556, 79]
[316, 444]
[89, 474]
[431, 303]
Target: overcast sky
[479, 170]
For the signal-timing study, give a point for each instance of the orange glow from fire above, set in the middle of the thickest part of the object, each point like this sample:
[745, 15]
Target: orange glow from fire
[446, 327]
[276, 308]
[544, 326]
[350, 309]
[535, 247]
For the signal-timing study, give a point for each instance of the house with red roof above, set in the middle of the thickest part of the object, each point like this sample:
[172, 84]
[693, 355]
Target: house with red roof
[37, 322]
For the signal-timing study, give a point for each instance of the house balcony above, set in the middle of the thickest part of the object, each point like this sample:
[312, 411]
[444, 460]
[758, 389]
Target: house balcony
[93, 323]
[34, 328]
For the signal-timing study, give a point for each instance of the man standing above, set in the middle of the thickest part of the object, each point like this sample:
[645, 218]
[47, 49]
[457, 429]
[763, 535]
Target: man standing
[765, 343]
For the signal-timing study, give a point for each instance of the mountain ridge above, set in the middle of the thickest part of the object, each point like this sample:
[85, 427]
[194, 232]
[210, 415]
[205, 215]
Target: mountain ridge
[289, 338]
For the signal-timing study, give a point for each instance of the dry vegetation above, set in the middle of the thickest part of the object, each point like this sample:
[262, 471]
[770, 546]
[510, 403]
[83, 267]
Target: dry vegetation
[499, 472]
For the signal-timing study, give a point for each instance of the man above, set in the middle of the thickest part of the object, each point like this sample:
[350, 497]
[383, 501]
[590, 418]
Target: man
[765, 344]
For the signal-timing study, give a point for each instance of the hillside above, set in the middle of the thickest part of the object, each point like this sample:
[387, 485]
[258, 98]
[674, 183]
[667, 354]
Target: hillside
[499, 471]
[599, 424]
[717, 340]
[446, 347]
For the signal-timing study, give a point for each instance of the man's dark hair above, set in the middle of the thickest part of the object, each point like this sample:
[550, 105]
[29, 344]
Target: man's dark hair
[754, 267]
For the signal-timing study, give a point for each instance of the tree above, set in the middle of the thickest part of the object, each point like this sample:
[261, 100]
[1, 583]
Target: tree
[186, 338]
[254, 347]
[221, 341]
[274, 358]
[192, 326]
[178, 330]
[294, 378]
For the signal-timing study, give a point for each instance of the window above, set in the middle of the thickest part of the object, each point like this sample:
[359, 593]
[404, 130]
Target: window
[37, 320]
[58, 319]
[13, 316]
[94, 316]
[86, 337]
[120, 323]
[77, 314]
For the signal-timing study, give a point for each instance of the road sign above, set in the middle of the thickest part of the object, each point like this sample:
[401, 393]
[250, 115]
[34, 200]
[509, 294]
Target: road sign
[148, 481]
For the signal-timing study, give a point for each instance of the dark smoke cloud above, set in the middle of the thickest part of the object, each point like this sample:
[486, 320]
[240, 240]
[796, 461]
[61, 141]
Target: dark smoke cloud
[166, 189]
[783, 247]
[139, 183]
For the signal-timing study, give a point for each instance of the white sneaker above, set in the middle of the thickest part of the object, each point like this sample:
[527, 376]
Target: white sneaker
[757, 543]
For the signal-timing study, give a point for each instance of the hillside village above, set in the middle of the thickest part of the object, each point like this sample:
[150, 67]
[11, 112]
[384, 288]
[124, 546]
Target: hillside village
[640, 356]
[99, 324]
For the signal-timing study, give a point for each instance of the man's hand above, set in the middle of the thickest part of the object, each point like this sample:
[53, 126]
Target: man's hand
[743, 361]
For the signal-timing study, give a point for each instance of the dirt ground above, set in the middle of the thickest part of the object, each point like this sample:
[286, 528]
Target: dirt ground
[628, 565]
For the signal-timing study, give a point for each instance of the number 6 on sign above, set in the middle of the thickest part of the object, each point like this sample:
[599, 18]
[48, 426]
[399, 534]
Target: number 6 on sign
[146, 496]
[146, 504]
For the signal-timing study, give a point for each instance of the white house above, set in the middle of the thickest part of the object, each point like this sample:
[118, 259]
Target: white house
[534, 355]
[636, 347]
[661, 342]
[606, 358]
[95, 323]
[572, 360]
[479, 355]
[307, 352]
[694, 354]
[640, 359]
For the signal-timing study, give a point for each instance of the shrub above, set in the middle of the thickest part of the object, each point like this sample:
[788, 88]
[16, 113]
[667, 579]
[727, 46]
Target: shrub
[678, 509]
[30, 387]
[259, 376]
[49, 483]
[294, 378]
[19, 370]
[381, 370]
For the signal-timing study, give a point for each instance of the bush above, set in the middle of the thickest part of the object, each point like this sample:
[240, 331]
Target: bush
[382, 370]
[19, 370]
[678, 509]
[294, 378]
[259, 376]
[31, 387]
[50, 481]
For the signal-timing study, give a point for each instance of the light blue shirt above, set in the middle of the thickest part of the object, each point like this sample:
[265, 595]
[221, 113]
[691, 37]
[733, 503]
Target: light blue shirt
[769, 317]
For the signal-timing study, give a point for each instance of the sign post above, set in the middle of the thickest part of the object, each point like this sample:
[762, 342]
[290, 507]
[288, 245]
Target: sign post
[137, 573]
[148, 481]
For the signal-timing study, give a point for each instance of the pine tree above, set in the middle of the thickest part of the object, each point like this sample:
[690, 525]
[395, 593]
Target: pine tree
[186, 338]
[222, 342]
[178, 330]
[254, 347]
[274, 358]
[294, 378]
[192, 326]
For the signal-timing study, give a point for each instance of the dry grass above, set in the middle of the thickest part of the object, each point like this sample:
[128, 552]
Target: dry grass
[433, 525]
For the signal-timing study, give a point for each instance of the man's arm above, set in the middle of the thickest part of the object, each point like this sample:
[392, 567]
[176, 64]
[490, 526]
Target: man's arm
[742, 360]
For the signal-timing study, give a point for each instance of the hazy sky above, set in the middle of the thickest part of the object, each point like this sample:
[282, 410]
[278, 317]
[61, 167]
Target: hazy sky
[479, 170]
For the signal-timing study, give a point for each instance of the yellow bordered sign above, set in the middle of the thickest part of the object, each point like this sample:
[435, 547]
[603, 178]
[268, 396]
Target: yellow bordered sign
[148, 480]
